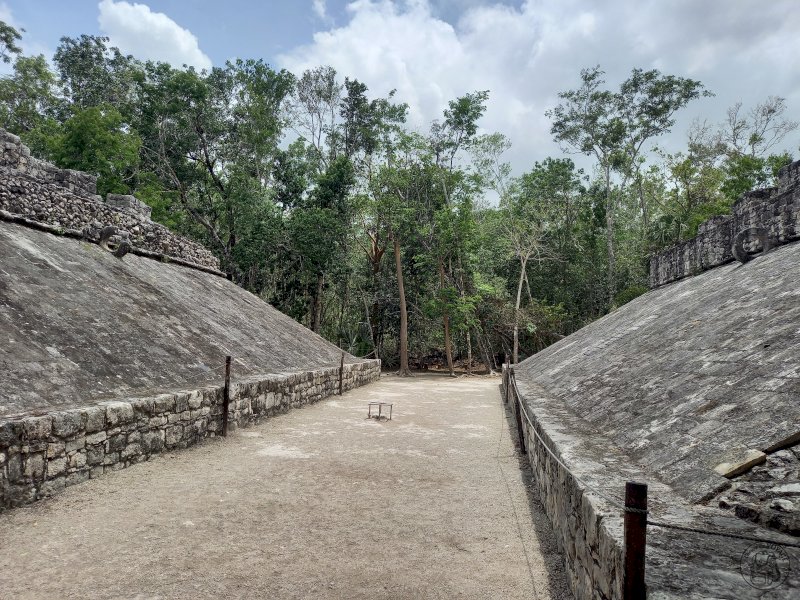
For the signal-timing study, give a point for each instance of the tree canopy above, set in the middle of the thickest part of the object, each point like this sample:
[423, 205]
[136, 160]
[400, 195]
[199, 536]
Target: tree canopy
[416, 245]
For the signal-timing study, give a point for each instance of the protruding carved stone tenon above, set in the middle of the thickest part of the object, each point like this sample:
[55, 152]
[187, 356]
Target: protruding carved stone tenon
[759, 233]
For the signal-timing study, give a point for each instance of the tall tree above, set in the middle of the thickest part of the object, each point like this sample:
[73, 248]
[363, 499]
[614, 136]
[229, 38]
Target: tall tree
[9, 37]
[647, 102]
[93, 73]
[29, 104]
[587, 122]
[614, 127]
[213, 138]
[95, 140]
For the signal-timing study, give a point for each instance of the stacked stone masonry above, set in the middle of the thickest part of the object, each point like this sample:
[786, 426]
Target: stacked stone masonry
[42, 454]
[67, 200]
[775, 209]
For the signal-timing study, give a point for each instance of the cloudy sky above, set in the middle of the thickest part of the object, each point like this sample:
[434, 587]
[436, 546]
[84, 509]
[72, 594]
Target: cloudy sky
[431, 51]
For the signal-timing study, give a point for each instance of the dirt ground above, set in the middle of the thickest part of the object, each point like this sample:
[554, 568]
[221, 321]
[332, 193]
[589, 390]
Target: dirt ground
[316, 503]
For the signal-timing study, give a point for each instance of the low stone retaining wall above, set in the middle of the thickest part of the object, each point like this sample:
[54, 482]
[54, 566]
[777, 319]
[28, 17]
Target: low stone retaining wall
[775, 209]
[42, 454]
[591, 541]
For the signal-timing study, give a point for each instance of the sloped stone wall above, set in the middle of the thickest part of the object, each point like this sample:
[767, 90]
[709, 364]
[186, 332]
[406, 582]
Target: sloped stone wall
[589, 539]
[67, 200]
[775, 209]
[42, 454]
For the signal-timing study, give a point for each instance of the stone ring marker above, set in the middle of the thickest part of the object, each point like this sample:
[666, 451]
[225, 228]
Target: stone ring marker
[738, 251]
[105, 237]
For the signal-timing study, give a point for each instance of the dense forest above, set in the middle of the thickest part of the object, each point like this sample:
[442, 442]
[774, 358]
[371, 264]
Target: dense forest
[413, 246]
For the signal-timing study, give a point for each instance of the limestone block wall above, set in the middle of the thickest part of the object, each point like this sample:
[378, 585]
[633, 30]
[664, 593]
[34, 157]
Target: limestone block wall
[590, 541]
[40, 192]
[775, 209]
[16, 156]
[42, 454]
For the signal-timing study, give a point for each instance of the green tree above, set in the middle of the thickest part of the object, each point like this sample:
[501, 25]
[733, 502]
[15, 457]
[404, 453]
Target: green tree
[95, 140]
[212, 139]
[29, 105]
[319, 228]
[614, 126]
[93, 74]
[9, 37]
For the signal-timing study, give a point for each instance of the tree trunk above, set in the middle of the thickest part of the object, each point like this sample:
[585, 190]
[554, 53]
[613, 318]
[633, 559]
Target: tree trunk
[612, 277]
[469, 353]
[643, 205]
[488, 341]
[401, 291]
[448, 345]
[372, 335]
[316, 304]
[483, 347]
[515, 352]
[345, 302]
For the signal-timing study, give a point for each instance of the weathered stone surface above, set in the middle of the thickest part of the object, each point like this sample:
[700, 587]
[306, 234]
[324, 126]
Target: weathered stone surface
[67, 200]
[129, 203]
[94, 418]
[164, 328]
[689, 375]
[750, 459]
[768, 494]
[56, 466]
[38, 428]
[67, 423]
[118, 413]
[666, 388]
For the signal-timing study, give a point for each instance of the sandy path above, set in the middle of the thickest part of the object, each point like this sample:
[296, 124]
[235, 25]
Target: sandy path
[317, 503]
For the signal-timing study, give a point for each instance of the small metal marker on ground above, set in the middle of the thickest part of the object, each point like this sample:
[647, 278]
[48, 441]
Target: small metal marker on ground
[226, 396]
[380, 414]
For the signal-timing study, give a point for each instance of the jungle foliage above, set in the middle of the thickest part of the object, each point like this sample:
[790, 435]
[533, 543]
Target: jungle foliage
[318, 197]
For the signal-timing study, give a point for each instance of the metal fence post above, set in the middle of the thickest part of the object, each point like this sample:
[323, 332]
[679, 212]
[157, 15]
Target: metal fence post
[635, 540]
[517, 411]
[226, 396]
[505, 383]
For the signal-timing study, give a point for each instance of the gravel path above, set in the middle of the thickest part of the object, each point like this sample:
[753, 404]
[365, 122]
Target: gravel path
[317, 503]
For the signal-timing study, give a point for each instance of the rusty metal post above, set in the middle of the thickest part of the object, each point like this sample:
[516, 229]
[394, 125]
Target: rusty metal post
[635, 541]
[341, 374]
[517, 411]
[506, 378]
[506, 382]
[226, 396]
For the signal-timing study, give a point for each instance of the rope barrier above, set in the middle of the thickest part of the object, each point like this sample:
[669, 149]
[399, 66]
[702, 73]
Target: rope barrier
[620, 505]
[589, 488]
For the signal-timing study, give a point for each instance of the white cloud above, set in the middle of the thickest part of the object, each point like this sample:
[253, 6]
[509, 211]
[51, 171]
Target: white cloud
[137, 30]
[320, 9]
[525, 55]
